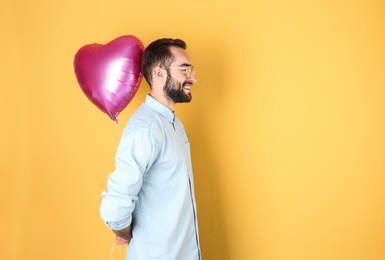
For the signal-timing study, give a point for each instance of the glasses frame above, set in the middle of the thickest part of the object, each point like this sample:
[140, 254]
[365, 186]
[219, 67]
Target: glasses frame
[188, 70]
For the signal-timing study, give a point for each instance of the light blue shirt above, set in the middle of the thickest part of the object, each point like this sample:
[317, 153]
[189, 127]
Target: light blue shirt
[153, 187]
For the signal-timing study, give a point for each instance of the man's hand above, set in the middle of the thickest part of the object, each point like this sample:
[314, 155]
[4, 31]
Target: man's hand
[123, 236]
[120, 241]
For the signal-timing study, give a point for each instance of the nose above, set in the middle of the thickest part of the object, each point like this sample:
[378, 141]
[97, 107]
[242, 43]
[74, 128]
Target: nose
[192, 77]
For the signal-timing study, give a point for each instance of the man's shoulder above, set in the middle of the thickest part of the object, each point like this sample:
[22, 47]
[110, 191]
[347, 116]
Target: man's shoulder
[144, 119]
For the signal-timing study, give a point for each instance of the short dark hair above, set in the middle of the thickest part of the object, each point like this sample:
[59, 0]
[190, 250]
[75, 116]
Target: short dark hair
[158, 53]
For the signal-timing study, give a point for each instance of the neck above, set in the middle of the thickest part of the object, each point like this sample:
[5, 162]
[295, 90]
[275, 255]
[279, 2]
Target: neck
[164, 100]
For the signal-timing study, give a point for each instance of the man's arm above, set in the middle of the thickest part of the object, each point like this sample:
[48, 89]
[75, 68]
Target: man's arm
[123, 236]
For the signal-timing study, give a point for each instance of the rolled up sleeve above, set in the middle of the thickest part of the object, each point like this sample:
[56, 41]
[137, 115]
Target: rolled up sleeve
[134, 154]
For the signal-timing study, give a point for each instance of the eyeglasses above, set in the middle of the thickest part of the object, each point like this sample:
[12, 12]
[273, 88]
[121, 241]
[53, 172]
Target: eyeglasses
[188, 70]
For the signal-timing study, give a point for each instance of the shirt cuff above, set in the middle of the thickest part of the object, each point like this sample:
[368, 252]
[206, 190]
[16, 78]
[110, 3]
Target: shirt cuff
[119, 225]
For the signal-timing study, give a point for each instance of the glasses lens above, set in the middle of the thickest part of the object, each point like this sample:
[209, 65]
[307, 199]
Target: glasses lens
[189, 70]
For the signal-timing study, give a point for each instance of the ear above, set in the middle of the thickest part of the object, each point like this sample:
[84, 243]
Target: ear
[158, 73]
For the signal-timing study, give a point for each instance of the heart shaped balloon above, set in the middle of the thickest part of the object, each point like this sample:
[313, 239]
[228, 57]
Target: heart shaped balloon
[110, 74]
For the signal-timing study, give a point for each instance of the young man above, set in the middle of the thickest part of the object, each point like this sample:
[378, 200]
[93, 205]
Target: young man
[150, 201]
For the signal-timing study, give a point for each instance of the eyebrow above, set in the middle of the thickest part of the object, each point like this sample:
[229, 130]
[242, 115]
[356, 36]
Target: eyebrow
[185, 65]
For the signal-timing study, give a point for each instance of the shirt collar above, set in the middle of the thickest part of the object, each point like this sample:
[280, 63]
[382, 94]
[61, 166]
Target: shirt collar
[160, 108]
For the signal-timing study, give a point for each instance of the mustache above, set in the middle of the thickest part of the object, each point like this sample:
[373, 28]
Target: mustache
[187, 83]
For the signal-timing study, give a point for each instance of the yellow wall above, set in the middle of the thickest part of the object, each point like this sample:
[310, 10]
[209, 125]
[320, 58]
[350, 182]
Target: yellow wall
[287, 126]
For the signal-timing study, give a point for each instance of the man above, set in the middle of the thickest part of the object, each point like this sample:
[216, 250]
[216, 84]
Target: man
[150, 201]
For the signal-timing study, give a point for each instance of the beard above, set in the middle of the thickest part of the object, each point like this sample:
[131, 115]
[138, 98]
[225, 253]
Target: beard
[174, 90]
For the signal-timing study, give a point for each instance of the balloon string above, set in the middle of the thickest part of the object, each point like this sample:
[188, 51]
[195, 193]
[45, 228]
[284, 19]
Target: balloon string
[117, 137]
[112, 249]
[117, 129]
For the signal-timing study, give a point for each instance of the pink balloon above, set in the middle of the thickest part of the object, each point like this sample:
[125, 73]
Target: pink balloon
[110, 74]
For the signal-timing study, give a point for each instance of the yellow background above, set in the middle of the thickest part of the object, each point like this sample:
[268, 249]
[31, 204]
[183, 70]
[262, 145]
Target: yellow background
[287, 126]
